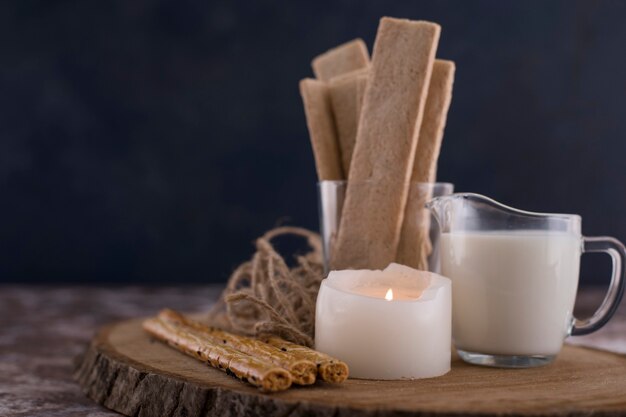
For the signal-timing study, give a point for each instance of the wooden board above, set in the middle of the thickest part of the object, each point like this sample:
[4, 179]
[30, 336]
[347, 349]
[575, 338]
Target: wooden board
[126, 371]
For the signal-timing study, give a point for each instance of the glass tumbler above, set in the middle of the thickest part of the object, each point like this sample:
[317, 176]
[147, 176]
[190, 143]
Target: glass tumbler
[331, 195]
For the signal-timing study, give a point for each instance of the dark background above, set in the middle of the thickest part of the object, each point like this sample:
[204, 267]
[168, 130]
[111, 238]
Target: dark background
[152, 141]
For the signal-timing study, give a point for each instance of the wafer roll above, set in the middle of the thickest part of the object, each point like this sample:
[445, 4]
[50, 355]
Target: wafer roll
[302, 371]
[322, 132]
[259, 373]
[346, 94]
[340, 60]
[329, 369]
[415, 245]
[382, 163]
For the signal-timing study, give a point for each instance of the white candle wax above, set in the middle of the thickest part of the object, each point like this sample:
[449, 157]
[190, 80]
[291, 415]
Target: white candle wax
[382, 337]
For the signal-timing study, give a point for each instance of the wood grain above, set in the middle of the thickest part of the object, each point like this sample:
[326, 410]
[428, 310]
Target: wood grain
[126, 371]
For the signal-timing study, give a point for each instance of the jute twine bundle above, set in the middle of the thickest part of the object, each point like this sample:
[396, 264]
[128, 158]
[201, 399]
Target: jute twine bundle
[264, 296]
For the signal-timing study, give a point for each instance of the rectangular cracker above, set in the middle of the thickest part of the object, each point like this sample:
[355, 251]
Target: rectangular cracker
[435, 115]
[346, 95]
[415, 246]
[340, 60]
[322, 132]
[380, 170]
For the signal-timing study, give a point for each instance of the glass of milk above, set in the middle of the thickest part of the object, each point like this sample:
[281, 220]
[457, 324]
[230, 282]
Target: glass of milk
[514, 279]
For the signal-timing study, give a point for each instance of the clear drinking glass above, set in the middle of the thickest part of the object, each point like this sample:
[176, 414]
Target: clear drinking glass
[331, 195]
[514, 279]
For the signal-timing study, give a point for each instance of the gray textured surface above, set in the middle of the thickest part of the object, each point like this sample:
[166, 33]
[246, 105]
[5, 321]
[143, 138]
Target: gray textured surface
[42, 330]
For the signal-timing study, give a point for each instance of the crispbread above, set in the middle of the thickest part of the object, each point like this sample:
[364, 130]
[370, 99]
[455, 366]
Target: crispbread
[382, 162]
[342, 59]
[415, 245]
[322, 132]
[346, 102]
[435, 114]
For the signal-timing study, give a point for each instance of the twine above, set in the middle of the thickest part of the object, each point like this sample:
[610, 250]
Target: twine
[264, 297]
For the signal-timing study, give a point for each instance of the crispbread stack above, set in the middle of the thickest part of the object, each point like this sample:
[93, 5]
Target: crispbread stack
[388, 116]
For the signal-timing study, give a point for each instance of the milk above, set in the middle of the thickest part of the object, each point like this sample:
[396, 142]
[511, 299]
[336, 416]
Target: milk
[512, 292]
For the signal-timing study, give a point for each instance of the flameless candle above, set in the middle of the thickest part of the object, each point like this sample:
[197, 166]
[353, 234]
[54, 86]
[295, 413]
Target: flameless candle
[389, 324]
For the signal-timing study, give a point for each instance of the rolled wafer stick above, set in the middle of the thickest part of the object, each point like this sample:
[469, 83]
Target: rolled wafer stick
[342, 59]
[322, 131]
[346, 95]
[262, 374]
[382, 163]
[415, 246]
[303, 371]
[329, 369]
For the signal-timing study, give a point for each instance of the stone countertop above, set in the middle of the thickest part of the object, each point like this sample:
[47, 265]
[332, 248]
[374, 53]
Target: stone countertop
[44, 328]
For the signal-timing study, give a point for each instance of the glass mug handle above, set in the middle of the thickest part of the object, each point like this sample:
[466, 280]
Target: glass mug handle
[615, 249]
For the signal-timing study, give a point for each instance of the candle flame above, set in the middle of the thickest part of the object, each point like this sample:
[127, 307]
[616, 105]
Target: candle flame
[389, 295]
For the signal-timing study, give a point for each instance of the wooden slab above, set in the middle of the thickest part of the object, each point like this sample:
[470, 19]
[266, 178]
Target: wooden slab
[126, 371]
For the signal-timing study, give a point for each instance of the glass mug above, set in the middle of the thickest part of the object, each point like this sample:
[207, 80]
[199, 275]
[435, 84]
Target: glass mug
[331, 195]
[514, 279]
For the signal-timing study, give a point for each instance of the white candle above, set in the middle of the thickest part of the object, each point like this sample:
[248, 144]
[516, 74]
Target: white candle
[390, 324]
